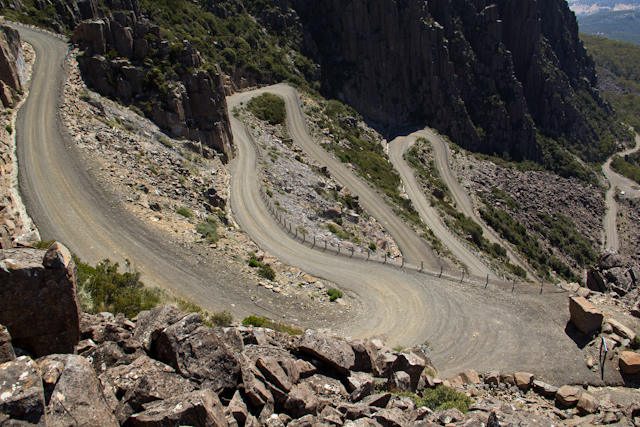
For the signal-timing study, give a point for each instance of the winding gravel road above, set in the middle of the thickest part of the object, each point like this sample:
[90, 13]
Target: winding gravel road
[429, 215]
[466, 326]
[632, 190]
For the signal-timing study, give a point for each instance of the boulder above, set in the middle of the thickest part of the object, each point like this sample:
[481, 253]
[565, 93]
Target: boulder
[568, 395]
[584, 315]
[610, 258]
[365, 355]
[151, 323]
[335, 352]
[629, 362]
[21, 393]
[378, 400]
[198, 353]
[412, 365]
[470, 377]
[253, 386]
[330, 416]
[492, 378]
[200, 408]
[620, 329]
[507, 379]
[238, 409]
[274, 373]
[384, 362]
[393, 417]
[38, 303]
[523, 380]
[587, 404]
[400, 382]
[301, 401]
[544, 389]
[6, 349]
[595, 281]
[77, 397]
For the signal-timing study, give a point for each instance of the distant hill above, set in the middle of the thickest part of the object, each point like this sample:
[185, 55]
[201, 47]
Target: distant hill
[622, 25]
[587, 7]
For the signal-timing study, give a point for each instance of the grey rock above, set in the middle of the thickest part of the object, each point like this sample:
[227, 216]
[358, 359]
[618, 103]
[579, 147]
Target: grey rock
[200, 408]
[21, 393]
[336, 352]
[301, 401]
[6, 349]
[151, 323]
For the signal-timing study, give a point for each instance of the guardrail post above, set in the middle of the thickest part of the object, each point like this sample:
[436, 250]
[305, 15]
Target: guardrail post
[338, 248]
[368, 254]
[325, 246]
[514, 284]
[304, 237]
[402, 262]
[462, 276]
[296, 236]
[289, 227]
[314, 242]
[485, 286]
[421, 266]
[385, 259]
[542, 286]
[352, 250]
[440, 272]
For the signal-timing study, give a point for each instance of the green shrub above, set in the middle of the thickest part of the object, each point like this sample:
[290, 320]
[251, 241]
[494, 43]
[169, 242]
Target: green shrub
[338, 232]
[222, 318]
[43, 244]
[268, 107]
[9, 129]
[444, 398]
[165, 141]
[253, 263]
[372, 246]
[209, 230]
[334, 294]
[267, 272]
[302, 230]
[184, 211]
[112, 291]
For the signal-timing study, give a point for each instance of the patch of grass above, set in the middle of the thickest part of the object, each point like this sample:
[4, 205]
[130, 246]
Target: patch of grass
[209, 229]
[372, 246]
[185, 212]
[165, 141]
[444, 398]
[222, 318]
[334, 294]
[302, 230]
[263, 270]
[263, 322]
[43, 244]
[337, 231]
[9, 129]
[268, 107]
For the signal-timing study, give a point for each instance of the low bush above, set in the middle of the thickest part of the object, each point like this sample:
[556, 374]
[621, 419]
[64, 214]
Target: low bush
[334, 294]
[444, 398]
[267, 272]
[222, 318]
[209, 230]
[184, 211]
[112, 291]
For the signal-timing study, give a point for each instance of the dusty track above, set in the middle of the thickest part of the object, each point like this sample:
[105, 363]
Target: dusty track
[632, 190]
[467, 326]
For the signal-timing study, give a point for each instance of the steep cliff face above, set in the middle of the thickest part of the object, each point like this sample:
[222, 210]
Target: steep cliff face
[491, 75]
[126, 56]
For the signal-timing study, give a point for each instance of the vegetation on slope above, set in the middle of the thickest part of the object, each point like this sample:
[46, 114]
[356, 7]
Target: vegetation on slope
[268, 107]
[628, 166]
[618, 66]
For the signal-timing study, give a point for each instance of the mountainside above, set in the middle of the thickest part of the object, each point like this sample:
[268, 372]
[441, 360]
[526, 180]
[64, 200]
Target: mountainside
[490, 77]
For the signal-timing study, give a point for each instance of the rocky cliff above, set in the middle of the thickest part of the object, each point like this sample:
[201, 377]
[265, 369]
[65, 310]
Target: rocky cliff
[491, 76]
[126, 56]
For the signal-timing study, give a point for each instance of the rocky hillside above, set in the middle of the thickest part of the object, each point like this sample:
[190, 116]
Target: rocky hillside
[164, 367]
[15, 65]
[492, 77]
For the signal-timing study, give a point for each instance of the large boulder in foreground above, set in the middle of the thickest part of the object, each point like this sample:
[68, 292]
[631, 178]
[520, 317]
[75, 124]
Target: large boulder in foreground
[335, 352]
[629, 362]
[38, 302]
[584, 315]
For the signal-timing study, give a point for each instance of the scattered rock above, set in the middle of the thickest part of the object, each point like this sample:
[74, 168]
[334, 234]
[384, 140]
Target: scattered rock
[584, 315]
[568, 395]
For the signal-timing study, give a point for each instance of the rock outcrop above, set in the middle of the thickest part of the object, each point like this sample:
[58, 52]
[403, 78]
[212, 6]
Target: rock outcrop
[122, 56]
[486, 74]
[38, 299]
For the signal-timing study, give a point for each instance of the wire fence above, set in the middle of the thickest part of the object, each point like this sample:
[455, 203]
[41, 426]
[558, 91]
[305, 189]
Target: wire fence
[349, 251]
